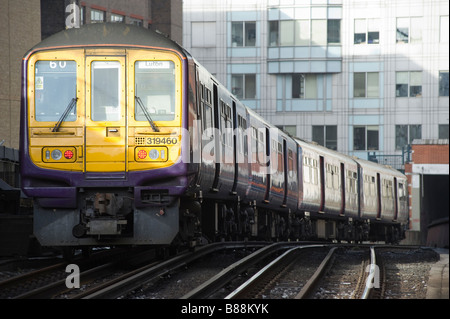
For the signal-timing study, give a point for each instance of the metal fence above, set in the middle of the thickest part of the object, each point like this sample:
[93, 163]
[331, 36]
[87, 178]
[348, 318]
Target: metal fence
[396, 161]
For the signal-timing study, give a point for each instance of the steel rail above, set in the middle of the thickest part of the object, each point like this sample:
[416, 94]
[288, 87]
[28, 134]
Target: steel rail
[315, 278]
[371, 276]
[249, 284]
[148, 274]
[226, 275]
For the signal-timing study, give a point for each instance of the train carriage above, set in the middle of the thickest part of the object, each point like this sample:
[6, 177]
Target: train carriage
[102, 106]
[382, 192]
[127, 140]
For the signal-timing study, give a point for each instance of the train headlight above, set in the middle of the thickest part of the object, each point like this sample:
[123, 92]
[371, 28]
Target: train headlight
[56, 155]
[59, 154]
[153, 154]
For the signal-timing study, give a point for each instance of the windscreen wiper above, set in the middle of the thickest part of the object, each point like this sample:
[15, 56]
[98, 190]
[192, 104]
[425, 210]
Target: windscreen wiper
[147, 115]
[69, 107]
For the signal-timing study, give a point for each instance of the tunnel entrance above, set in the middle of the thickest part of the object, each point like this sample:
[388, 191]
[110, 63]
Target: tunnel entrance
[435, 209]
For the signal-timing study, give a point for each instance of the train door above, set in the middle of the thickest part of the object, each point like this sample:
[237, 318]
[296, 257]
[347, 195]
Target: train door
[268, 164]
[105, 138]
[322, 183]
[217, 145]
[286, 165]
[343, 182]
[395, 199]
[379, 195]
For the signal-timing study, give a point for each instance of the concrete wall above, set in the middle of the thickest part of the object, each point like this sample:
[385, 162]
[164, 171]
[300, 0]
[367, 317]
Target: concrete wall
[20, 29]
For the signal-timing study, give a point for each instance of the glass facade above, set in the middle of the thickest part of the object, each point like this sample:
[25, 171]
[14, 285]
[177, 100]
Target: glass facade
[355, 91]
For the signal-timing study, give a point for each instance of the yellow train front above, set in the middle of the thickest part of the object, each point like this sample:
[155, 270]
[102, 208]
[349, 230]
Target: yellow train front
[101, 136]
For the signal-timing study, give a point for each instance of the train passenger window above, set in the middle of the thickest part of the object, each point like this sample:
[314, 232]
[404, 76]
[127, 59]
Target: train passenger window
[155, 86]
[105, 96]
[55, 85]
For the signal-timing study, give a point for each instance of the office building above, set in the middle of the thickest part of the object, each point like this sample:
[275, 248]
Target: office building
[365, 78]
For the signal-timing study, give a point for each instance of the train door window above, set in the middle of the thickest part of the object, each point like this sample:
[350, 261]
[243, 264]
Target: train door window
[274, 155]
[242, 125]
[254, 144]
[225, 123]
[55, 85]
[280, 158]
[262, 151]
[351, 182]
[207, 110]
[336, 176]
[372, 185]
[316, 171]
[290, 163]
[366, 185]
[306, 173]
[155, 86]
[105, 82]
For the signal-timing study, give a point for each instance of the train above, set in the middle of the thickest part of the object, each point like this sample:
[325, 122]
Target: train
[126, 139]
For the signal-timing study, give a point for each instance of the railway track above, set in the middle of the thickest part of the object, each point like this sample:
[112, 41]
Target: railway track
[50, 281]
[232, 270]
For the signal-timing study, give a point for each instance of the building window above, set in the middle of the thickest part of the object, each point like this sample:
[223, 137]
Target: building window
[409, 30]
[405, 134]
[318, 32]
[366, 84]
[83, 15]
[367, 31]
[443, 131]
[304, 86]
[287, 33]
[203, 34]
[289, 129]
[137, 22]
[408, 84]
[333, 31]
[97, 16]
[243, 86]
[443, 35]
[243, 34]
[117, 18]
[325, 135]
[304, 32]
[443, 83]
[365, 138]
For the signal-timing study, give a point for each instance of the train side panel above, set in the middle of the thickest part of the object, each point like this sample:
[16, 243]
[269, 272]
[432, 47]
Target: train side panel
[259, 180]
[310, 175]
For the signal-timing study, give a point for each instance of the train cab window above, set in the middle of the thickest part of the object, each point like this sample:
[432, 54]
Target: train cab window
[105, 96]
[55, 86]
[155, 86]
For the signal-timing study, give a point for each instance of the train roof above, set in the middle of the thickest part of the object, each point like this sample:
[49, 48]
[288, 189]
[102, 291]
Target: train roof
[388, 170]
[103, 34]
[322, 149]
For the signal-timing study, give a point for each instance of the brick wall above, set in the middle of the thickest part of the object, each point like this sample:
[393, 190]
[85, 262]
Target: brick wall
[430, 154]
